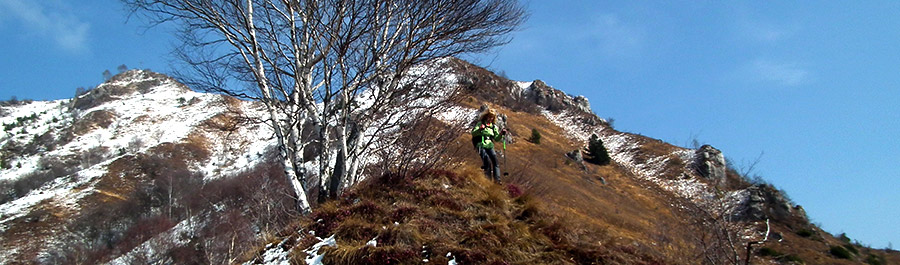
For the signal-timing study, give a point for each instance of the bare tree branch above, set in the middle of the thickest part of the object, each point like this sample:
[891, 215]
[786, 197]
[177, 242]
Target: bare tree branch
[351, 71]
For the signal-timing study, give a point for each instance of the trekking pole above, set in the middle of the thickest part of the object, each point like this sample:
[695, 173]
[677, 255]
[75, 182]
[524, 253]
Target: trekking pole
[505, 172]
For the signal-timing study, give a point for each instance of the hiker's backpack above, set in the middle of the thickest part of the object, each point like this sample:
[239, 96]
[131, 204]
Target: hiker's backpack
[476, 140]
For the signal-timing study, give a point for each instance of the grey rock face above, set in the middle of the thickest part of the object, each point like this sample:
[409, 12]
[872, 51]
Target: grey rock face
[579, 159]
[764, 202]
[554, 100]
[576, 155]
[582, 104]
[710, 163]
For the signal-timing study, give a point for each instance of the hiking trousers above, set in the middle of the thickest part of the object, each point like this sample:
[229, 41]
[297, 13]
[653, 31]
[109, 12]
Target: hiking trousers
[491, 167]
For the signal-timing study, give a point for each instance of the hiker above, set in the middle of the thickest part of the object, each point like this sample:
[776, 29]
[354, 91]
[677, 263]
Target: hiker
[484, 134]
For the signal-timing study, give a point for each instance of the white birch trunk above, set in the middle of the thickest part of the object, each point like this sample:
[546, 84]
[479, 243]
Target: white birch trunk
[287, 153]
[354, 158]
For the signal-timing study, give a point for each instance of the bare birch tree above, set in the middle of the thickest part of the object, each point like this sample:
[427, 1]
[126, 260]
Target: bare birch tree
[346, 69]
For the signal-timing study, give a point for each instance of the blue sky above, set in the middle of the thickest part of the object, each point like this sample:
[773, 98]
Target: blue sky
[813, 86]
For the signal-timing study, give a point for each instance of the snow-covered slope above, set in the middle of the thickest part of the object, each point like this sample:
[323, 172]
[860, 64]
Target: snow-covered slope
[79, 138]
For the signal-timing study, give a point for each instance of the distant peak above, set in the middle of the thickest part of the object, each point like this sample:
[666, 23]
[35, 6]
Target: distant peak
[126, 84]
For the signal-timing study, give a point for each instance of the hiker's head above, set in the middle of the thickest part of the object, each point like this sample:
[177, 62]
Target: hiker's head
[488, 116]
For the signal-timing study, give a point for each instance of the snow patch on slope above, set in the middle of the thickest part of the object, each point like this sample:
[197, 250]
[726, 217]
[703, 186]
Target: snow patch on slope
[624, 148]
[458, 116]
[522, 87]
[575, 129]
[176, 236]
[314, 258]
[45, 112]
[64, 191]
[234, 151]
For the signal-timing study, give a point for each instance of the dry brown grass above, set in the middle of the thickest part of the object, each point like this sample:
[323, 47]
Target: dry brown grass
[199, 145]
[814, 248]
[624, 202]
[128, 205]
[627, 210]
[143, 119]
[460, 212]
[93, 120]
[97, 211]
[231, 103]
[120, 200]
[222, 122]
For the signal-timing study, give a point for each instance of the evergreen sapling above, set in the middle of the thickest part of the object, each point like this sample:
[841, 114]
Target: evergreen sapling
[535, 136]
[597, 151]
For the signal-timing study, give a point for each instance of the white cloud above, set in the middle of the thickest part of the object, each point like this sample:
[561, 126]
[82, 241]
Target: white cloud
[755, 25]
[766, 32]
[780, 73]
[615, 37]
[47, 19]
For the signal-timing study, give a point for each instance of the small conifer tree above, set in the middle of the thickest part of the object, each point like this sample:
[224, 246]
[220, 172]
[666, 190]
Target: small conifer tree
[597, 151]
[80, 91]
[535, 136]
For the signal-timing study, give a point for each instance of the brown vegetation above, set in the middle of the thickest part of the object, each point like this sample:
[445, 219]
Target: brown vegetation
[485, 86]
[596, 197]
[143, 196]
[93, 120]
[425, 216]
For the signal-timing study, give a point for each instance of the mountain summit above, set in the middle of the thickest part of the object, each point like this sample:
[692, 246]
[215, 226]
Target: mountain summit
[142, 169]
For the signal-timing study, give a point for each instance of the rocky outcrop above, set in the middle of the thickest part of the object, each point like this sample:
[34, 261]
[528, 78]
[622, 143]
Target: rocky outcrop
[487, 86]
[765, 202]
[581, 102]
[554, 100]
[578, 158]
[710, 163]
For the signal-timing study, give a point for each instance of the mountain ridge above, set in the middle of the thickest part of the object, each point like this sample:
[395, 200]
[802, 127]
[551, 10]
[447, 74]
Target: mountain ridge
[124, 138]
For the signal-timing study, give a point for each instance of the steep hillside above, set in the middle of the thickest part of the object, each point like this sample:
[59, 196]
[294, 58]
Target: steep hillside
[144, 170]
[668, 199]
[88, 179]
[663, 203]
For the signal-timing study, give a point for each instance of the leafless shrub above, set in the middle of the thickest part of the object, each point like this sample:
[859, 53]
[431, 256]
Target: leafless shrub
[719, 238]
[426, 146]
[93, 156]
[42, 143]
[522, 172]
[49, 169]
[237, 212]
[135, 145]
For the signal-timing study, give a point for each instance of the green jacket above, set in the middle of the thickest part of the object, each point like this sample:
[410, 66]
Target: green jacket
[484, 138]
